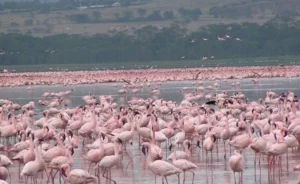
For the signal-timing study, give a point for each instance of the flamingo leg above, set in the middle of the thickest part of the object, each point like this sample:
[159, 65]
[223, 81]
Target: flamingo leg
[90, 167]
[107, 177]
[183, 176]
[166, 179]
[178, 175]
[193, 176]
[234, 177]
[50, 174]
[224, 150]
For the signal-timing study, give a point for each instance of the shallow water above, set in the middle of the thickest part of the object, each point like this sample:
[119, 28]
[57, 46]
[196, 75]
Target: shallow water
[210, 170]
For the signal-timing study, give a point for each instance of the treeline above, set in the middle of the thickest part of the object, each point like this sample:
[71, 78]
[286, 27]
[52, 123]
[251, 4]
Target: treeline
[153, 44]
[256, 7]
[140, 15]
[37, 6]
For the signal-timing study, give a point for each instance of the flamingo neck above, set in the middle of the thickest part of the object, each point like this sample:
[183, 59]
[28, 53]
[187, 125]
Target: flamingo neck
[100, 143]
[116, 149]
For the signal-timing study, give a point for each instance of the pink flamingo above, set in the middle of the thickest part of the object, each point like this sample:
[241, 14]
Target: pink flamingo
[76, 176]
[259, 144]
[3, 172]
[162, 168]
[184, 165]
[186, 154]
[108, 162]
[237, 163]
[57, 162]
[33, 167]
[96, 155]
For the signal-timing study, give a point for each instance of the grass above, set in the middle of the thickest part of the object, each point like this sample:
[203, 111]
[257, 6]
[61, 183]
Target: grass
[240, 62]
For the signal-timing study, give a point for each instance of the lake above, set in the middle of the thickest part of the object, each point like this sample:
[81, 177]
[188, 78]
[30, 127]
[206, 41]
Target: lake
[209, 171]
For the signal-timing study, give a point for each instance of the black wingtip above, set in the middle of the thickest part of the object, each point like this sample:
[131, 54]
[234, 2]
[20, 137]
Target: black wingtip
[213, 102]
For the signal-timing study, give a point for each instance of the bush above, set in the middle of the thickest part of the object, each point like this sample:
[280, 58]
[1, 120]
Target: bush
[79, 18]
[14, 24]
[28, 22]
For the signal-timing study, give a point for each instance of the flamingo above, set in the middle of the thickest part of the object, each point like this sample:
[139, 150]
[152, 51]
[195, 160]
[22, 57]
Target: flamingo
[56, 151]
[259, 144]
[3, 172]
[76, 176]
[33, 167]
[108, 162]
[237, 163]
[186, 154]
[96, 155]
[57, 162]
[162, 168]
[208, 143]
[179, 138]
[184, 165]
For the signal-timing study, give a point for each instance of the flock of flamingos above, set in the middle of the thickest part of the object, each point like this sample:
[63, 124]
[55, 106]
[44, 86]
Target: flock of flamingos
[106, 129]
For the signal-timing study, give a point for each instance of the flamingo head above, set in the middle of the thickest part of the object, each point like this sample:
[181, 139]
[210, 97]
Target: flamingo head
[62, 169]
[297, 168]
[70, 133]
[198, 144]
[189, 145]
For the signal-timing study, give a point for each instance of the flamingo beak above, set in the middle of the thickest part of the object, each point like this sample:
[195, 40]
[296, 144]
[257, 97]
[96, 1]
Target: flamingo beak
[144, 150]
[103, 136]
[71, 133]
[63, 172]
[215, 138]
[189, 145]
[198, 144]
[170, 147]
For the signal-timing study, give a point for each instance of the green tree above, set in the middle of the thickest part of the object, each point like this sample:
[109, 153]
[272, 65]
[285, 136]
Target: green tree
[142, 12]
[154, 16]
[168, 15]
[14, 24]
[117, 15]
[78, 18]
[28, 22]
[127, 15]
[97, 16]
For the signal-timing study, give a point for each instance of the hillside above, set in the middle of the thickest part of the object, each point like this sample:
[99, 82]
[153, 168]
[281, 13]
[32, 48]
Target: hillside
[160, 13]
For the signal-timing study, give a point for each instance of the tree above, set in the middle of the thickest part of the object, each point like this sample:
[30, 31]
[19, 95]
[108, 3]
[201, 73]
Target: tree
[78, 18]
[142, 12]
[154, 16]
[97, 16]
[28, 22]
[117, 15]
[14, 24]
[127, 15]
[168, 15]
[190, 14]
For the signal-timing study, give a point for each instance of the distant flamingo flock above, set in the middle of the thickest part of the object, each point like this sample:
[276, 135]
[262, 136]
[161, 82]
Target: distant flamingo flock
[167, 133]
[8, 79]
